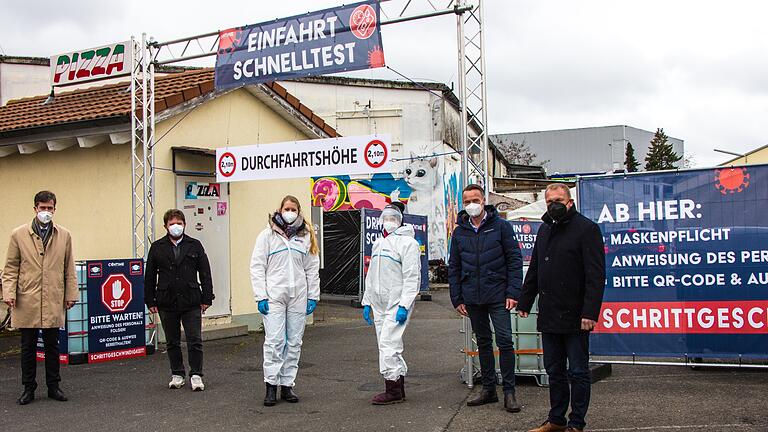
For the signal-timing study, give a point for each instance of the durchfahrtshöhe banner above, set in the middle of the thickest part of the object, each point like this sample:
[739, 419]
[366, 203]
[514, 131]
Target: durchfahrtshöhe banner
[116, 326]
[525, 233]
[332, 40]
[372, 232]
[369, 154]
[686, 261]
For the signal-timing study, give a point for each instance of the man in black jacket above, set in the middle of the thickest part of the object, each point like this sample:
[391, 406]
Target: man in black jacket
[567, 271]
[485, 270]
[171, 287]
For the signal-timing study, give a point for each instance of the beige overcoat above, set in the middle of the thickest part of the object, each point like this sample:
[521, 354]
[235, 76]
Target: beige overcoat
[41, 280]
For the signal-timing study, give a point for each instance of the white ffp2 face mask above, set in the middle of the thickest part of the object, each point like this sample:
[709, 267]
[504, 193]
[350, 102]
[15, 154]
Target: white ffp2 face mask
[390, 227]
[289, 216]
[44, 216]
[474, 209]
[176, 230]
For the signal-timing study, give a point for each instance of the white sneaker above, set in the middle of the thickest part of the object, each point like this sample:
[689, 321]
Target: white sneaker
[177, 382]
[197, 383]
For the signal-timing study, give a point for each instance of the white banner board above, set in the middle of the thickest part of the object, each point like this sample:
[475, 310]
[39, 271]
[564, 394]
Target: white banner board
[367, 154]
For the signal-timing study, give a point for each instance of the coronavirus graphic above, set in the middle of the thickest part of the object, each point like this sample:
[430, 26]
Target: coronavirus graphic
[376, 57]
[731, 180]
[229, 40]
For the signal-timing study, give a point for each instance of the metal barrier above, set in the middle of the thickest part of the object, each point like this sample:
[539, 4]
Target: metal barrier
[529, 353]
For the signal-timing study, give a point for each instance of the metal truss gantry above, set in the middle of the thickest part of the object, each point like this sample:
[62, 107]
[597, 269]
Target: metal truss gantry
[146, 55]
[142, 147]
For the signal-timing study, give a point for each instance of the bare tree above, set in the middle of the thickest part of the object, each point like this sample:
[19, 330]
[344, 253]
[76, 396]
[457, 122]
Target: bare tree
[689, 160]
[519, 153]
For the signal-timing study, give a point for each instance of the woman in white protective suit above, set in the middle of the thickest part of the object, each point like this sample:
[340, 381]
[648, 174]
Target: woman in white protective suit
[391, 287]
[286, 286]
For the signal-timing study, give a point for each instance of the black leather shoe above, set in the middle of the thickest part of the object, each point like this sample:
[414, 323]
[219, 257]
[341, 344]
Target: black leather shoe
[26, 397]
[486, 397]
[287, 394]
[57, 394]
[270, 399]
[511, 404]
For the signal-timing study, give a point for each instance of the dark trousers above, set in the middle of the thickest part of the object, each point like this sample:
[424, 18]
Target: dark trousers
[29, 357]
[481, 317]
[566, 358]
[192, 321]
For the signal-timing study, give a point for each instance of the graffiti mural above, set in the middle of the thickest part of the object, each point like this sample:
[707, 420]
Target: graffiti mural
[453, 189]
[429, 186]
[424, 177]
[343, 193]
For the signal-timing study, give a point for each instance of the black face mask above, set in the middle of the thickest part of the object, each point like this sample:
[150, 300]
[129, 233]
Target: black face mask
[556, 210]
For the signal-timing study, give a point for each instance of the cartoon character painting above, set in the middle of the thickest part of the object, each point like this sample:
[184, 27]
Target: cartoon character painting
[425, 180]
[423, 188]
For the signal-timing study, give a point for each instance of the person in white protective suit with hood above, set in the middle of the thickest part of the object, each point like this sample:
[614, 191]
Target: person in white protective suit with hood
[286, 285]
[391, 287]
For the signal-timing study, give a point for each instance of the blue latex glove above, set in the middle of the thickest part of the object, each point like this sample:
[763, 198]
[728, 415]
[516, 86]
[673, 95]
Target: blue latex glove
[311, 305]
[367, 315]
[264, 307]
[402, 315]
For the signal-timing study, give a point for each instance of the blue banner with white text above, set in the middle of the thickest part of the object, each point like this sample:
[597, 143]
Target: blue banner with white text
[341, 39]
[116, 323]
[686, 262]
[372, 232]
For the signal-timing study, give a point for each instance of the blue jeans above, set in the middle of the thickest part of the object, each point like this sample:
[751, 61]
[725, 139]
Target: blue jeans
[502, 324]
[566, 358]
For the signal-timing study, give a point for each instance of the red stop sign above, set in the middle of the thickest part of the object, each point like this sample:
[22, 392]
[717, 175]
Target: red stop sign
[116, 292]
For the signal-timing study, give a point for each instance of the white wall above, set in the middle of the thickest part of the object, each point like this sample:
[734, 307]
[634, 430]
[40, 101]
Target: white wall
[27, 80]
[416, 120]
[22, 80]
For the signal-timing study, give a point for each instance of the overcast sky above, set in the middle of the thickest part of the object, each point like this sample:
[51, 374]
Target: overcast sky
[699, 69]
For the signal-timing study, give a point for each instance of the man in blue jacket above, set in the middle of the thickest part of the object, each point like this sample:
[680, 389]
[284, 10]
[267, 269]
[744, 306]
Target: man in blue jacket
[485, 271]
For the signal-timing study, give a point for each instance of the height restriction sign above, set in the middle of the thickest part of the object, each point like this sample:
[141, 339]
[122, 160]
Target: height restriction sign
[367, 154]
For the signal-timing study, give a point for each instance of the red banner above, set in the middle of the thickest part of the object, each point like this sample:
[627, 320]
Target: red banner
[729, 317]
[117, 355]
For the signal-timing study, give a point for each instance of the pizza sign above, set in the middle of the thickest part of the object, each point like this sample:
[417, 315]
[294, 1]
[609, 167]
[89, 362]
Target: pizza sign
[91, 64]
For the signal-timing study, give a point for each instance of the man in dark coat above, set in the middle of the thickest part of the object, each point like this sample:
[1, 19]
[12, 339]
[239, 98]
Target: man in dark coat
[485, 271]
[171, 287]
[567, 272]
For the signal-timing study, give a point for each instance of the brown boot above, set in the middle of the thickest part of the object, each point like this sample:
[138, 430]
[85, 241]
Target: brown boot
[391, 395]
[548, 427]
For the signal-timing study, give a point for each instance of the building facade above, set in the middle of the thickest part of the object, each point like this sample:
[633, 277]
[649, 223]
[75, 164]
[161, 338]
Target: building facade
[585, 150]
[425, 124]
[78, 146]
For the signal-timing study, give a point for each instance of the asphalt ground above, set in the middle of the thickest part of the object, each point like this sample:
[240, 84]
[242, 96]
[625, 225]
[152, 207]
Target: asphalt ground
[339, 374]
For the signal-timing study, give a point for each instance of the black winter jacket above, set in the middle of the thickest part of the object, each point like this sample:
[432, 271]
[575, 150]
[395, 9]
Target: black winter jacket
[567, 272]
[171, 284]
[484, 267]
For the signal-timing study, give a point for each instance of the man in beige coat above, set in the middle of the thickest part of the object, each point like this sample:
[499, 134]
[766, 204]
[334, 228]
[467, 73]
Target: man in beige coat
[39, 283]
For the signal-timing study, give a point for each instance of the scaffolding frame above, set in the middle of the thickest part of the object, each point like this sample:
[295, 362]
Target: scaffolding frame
[142, 147]
[473, 107]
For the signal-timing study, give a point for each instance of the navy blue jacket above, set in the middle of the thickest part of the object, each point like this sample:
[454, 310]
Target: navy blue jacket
[567, 272]
[486, 266]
